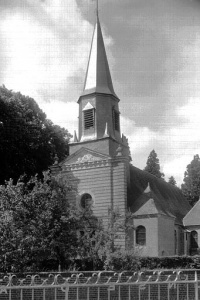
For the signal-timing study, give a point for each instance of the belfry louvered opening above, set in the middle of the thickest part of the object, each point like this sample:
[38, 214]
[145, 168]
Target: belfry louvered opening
[89, 118]
[116, 120]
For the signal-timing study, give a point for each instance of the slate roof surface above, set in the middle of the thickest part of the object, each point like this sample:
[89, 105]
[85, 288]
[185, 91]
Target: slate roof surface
[167, 199]
[98, 77]
[149, 207]
[193, 216]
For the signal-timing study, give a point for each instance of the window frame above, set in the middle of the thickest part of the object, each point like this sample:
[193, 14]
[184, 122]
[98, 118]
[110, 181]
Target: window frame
[140, 235]
[116, 120]
[89, 200]
[194, 239]
[89, 119]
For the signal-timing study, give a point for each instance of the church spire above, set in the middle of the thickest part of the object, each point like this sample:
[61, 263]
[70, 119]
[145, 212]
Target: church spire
[99, 116]
[98, 78]
[97, 9]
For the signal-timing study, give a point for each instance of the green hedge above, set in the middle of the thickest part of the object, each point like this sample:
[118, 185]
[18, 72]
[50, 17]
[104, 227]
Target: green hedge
[128, 261]
[119, 261]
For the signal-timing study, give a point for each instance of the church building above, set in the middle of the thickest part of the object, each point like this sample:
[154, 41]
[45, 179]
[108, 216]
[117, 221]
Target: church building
[100, 170]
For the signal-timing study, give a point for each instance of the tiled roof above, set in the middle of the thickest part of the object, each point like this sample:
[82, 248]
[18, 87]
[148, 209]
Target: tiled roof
[148, 208]
[193, 216]
[167, 199]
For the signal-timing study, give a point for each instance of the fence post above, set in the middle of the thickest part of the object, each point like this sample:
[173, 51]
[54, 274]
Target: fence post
[196, 286]
[65, 288]
[110, 288]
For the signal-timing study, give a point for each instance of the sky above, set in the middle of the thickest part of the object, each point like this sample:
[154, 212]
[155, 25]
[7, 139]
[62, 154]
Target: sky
[153, 49]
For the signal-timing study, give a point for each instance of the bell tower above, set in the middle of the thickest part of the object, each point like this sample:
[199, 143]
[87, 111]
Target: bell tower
[98, 165]
[99, 116]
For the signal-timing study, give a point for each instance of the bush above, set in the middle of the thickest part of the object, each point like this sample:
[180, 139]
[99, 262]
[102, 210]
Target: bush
[129, 261]
[122, 260]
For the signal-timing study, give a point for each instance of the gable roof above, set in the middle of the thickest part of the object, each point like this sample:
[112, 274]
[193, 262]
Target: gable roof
[148, 208]
[193, 216]
[167, 198]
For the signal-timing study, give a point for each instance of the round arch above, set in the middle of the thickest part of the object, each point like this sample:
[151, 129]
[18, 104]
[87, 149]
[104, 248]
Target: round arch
[140, 235]
[85, 199]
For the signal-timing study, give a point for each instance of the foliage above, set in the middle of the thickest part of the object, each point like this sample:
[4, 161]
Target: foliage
[97, 246]
[38, 225]
[130, 261]
[124, 260]
[28, 140]
[153, 165]
[191, 185]
[40, 229]
[172, 262]
[172, 180]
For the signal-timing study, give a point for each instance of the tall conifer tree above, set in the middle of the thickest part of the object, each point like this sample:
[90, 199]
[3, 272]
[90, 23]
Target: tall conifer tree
[172, 180]
[153, 165]
[191, 185]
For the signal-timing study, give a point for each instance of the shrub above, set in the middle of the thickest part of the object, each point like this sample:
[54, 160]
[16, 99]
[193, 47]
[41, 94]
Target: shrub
[130, 261]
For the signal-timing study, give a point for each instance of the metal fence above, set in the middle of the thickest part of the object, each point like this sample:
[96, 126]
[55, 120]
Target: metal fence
[148, 285]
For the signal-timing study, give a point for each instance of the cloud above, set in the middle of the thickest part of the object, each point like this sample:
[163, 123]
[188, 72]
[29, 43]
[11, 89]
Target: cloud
[139, 137]
[12, 3]
[160, 60]
[176, 168]
[35, 59]
[175, 146]
[182, 135]
[45, 49]
[169, 113]
[154, 55]
[141, 141]
[184, 140]
[64, 114]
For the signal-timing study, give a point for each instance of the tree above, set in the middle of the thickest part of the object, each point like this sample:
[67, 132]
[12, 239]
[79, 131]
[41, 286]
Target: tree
[28, 140]
[172, 180]
[153, 165]
[191, 185]
[38, 225]
[40, 229]
[99, 245]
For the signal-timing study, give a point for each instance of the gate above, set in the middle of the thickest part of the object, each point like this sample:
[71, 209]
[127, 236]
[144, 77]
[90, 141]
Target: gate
[148, 285]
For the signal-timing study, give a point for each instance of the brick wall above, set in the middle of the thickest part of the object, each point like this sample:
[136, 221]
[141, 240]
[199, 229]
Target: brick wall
[107, 185]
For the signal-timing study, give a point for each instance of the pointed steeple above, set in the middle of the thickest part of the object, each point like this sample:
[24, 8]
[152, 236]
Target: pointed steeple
[98, 78]
[99, 115]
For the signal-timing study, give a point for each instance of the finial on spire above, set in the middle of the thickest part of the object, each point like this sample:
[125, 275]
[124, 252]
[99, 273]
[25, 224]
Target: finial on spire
[98, 78]
[106, 133]
[75, 137]
[97, 9]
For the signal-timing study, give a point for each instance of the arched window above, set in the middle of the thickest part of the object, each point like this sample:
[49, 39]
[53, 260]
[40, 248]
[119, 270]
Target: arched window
[86, 201]
[194, 239]
[141, 235]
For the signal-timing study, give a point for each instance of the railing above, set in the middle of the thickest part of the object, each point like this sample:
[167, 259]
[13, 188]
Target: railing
[148, 285]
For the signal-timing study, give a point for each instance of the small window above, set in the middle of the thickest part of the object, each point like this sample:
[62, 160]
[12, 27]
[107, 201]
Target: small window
[175, 241]
[194, 239]
[116, 119]
[88, 119]
[86, 201]
[141, 235]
